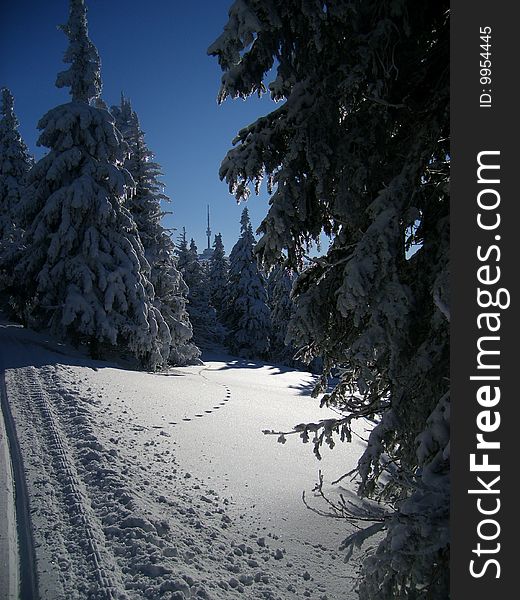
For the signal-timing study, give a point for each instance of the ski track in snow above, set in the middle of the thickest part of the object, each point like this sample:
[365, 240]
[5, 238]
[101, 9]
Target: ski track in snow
[74, 492]
[116, 517]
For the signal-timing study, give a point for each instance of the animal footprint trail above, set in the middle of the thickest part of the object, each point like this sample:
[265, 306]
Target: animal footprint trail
[224, 401]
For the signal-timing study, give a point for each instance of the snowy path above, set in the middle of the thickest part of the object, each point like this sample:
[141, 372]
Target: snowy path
[9, 564]
[163, 485]
[17, 557]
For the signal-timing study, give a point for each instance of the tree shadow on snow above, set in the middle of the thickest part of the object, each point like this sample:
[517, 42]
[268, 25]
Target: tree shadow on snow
[21, 347]
[304, 388]
[228, 362]
[243, 363]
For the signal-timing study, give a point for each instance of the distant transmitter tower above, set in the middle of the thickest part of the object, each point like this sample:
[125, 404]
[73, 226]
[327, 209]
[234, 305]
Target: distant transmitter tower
[208, 252]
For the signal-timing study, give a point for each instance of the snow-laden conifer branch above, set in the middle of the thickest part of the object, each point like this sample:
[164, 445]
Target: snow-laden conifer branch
[345, 509]
[344, 157]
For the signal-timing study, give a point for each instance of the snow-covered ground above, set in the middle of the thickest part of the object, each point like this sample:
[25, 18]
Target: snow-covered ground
[9, 556]
[162, 485]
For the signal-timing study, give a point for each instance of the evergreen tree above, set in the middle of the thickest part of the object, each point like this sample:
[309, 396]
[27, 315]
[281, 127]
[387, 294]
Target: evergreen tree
[358, 149]
[15, 163]
[279, 285]
[83, 272]
[202, 315]
[144, 203]
[247, 316]
[218, 277]
[145, 207]
[183, 252]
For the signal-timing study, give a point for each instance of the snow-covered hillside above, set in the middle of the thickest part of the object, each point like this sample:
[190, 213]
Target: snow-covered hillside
[162, 485]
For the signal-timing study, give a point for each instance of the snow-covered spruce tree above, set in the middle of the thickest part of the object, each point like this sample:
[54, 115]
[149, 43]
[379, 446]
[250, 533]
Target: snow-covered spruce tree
[15, 163]
[247, 316]
[203, 317]
[218, 277]
[83, 272]
[279, 285]
[182, 251]
[145, 207]
[358, 148]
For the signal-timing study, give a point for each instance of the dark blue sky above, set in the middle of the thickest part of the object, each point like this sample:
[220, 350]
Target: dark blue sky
[154, 51]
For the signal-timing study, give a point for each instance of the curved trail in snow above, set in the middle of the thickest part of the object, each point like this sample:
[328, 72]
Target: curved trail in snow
[217, 405]
[227, 397]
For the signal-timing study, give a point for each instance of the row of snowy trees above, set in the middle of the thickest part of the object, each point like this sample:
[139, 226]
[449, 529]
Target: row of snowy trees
[233, 301]
[83, 250]
[358, 148]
